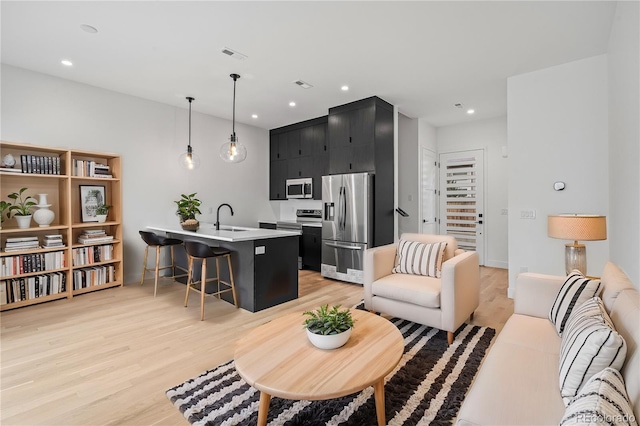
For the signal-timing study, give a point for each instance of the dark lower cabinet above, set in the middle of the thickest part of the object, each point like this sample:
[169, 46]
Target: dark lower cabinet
[311, 249]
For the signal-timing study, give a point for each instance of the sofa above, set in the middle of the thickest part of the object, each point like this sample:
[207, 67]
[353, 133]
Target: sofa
[518, 382]
[443, 302]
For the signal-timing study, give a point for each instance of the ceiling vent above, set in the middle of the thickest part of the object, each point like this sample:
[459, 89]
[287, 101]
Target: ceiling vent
[458, 105]
[237, 55]
[303, 84]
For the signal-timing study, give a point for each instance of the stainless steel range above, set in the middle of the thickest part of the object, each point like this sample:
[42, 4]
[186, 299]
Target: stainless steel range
[304, 217]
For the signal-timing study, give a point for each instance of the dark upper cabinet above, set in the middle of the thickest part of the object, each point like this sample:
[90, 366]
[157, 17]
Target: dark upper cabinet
[278, 147]
[306, 154]
[277, 179]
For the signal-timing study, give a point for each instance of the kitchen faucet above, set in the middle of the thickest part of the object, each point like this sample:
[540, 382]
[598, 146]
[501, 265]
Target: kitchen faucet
[218, 214]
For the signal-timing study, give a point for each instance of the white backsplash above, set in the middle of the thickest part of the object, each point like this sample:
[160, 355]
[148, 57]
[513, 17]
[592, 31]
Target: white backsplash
[288, 208]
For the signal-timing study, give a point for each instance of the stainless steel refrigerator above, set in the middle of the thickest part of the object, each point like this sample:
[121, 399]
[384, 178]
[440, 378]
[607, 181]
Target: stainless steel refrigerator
[347, 225]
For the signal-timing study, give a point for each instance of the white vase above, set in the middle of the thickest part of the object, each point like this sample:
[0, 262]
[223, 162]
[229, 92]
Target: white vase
[331, 341]
[24, 222]
[43, 216]
[101, 217]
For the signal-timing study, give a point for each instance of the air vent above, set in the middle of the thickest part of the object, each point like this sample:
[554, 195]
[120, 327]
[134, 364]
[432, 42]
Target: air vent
[237, 55]
[458, 105]
[303, 84]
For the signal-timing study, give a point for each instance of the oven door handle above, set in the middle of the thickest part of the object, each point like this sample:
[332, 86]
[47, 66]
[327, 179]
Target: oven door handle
[334, 245]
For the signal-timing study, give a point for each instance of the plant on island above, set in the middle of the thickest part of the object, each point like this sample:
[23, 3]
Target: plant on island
[21, 206]
[325, 321]
[188, 208]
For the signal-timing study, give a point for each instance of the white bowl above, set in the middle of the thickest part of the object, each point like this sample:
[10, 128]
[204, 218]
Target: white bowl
[331, 341]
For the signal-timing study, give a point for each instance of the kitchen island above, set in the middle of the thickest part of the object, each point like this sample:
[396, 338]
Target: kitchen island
[265, 262]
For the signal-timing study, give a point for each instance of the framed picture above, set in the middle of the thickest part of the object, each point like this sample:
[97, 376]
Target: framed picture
[91, 196]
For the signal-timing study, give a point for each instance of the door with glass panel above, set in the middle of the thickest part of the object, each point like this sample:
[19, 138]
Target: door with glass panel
[462, 199]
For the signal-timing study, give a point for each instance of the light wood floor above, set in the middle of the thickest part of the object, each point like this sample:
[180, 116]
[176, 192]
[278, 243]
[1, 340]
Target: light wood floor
[107, 358]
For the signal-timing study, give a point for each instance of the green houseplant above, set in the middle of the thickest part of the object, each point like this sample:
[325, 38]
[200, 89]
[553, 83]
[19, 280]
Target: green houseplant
[4, 206]
[328, 328]
[21, 207]
[102, 211]
[187, 210]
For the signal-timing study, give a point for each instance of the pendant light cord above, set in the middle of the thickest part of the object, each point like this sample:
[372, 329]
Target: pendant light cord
[190, 99]
[234, 105]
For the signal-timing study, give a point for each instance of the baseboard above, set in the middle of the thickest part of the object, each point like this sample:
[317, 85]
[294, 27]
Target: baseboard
[497, 264]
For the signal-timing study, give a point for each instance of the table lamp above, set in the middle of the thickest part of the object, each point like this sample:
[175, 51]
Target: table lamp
[577, 227]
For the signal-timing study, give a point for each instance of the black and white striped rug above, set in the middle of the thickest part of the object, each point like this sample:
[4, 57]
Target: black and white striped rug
[427, 387]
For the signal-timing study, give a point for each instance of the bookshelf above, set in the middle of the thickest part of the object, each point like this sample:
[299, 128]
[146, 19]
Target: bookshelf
[98, 176]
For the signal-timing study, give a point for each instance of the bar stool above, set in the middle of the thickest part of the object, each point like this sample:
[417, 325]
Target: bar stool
[159, 242]
[198, 250]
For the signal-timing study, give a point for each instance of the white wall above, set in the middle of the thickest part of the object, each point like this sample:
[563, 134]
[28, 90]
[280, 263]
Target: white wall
[557, 131]
[408, 174]
[427, 137]
[150, 136]
[624, 140]
[490, 135]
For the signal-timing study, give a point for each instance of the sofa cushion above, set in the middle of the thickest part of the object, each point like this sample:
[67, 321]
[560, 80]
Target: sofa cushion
[575, 290]
[589, 344]
[518, 381]
[417, 258]
[603, 400]
[614, 281]
[416, 289]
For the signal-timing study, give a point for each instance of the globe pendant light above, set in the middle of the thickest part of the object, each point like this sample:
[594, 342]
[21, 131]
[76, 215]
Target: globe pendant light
[188, 160]
[233, 151]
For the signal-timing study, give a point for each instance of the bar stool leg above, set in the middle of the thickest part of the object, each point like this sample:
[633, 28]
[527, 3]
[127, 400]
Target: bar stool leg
[155, 289]
[144, 264]
[218, 276]
[189, 273]
[173, 266]
[233, 287]
[203, 286]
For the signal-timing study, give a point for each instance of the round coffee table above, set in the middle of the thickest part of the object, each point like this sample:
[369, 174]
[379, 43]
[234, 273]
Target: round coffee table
[277, 359]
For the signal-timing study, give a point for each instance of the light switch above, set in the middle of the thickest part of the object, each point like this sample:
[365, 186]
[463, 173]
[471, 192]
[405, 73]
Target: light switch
[260, 250]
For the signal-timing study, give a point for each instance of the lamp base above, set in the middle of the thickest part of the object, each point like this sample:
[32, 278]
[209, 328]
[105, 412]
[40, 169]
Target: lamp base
[575, 257]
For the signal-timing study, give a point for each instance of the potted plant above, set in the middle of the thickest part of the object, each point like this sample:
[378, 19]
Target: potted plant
[4, 206]
[102, 211]
[328, 328]
[21, 208]
[187, 210]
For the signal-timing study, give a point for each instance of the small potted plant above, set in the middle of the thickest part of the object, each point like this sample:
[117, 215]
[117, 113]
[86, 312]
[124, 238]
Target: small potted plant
[187, 210]
[328, 328]
[4, 206]
[102, 211]
[21, 208]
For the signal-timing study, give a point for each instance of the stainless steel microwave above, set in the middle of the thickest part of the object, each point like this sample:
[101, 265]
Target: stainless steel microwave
[300, 188]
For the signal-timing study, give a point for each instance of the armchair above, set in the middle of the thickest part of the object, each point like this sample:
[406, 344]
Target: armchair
[444, 303]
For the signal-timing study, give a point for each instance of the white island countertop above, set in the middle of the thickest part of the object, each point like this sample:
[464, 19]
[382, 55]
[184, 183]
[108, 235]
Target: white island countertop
[227, 233]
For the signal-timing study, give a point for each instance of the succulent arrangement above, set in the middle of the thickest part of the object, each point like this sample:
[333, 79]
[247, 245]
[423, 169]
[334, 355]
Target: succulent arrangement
[103, 209]
[327, 321]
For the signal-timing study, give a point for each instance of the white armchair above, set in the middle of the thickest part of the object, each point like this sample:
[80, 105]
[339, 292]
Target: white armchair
[444, 303]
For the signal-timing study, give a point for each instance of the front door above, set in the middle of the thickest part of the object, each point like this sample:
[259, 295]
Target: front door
[462, 199]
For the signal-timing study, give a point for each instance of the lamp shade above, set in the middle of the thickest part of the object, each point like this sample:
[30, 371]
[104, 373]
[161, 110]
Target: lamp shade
[577, 227]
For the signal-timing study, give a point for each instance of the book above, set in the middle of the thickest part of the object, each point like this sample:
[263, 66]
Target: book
[20, 239]
[10, 170]
[95, 240]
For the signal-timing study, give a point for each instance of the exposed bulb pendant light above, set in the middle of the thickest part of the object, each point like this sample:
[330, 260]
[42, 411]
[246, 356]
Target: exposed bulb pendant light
[188, 160]
[233, 151]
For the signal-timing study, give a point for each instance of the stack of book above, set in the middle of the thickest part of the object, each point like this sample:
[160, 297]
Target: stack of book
[21, 243]
[91, 169]
[51, 241]
[40, 164]
[91, 236]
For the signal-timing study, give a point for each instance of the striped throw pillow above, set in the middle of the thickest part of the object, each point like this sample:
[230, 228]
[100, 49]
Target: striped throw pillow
[575, 290]
[602, 401]
[418, 258]
[589, 344]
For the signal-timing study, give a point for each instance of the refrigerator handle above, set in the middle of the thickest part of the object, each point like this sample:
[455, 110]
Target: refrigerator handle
[343, 205]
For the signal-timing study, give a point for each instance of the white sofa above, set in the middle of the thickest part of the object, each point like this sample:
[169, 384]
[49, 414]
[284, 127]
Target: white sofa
[444, 303]
[518, 382]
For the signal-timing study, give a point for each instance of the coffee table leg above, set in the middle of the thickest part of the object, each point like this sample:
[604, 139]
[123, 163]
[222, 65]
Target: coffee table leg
[378, 389]
[263, 409]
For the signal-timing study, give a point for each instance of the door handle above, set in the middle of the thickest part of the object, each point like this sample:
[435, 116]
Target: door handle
[479, 222]
[334, 245]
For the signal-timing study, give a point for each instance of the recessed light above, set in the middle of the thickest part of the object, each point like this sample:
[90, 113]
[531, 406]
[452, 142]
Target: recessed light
[88, 29]
[254, 115]
[470, 111]
[292, 104]
[344, 88]
[67, 63]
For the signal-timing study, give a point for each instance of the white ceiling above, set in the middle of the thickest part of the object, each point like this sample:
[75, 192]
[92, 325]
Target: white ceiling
[423, 56]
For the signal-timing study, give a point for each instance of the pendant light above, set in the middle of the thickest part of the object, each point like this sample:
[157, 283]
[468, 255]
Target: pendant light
[188, 160]
[233, 151]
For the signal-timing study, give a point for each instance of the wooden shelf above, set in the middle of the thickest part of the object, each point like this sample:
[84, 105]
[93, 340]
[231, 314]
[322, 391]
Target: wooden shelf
[63, 193]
